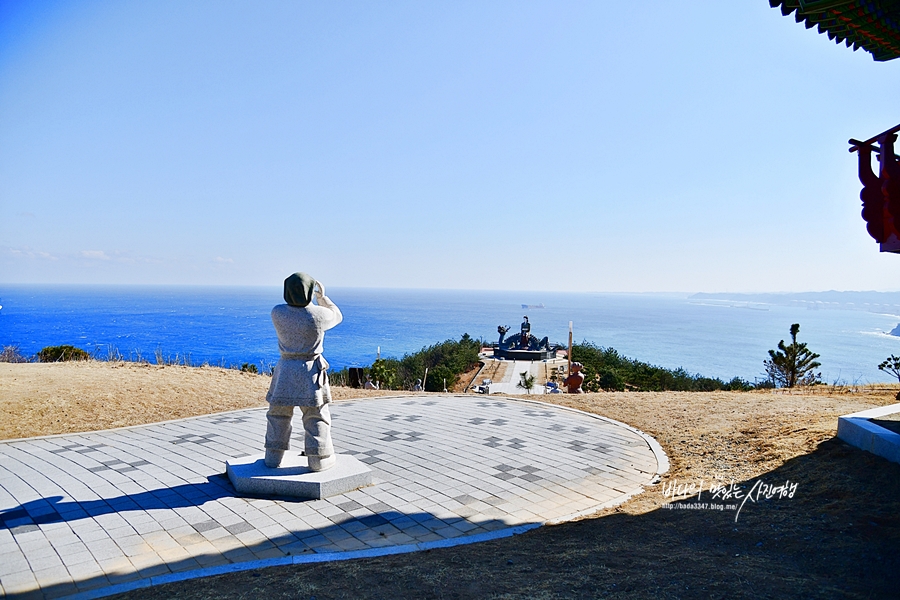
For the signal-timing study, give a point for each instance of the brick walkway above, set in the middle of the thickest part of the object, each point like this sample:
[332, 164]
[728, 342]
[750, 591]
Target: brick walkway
[98, 513]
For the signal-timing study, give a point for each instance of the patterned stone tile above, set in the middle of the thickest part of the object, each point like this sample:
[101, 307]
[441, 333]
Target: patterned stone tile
[128, 504]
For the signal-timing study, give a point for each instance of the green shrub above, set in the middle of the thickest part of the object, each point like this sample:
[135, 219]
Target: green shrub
[62, 354]
[384, 373]
[448, 359]
[605, 369]
[248, 368]
[609, 381]
[436, 377]
[739, 385]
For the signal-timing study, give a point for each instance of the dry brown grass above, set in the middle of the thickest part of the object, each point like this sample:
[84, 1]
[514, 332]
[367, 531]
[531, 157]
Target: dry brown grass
[465, 380]
[495, 370]
[729, 435]
[44, 399]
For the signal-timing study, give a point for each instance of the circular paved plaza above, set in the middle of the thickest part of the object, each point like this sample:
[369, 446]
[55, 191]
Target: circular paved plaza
[95, 513]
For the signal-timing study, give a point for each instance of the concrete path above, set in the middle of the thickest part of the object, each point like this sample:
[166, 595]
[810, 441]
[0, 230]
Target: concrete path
[512, 377]
[508, 384]
[97, 513]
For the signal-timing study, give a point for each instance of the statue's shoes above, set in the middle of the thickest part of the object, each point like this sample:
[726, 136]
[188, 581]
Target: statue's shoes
[273, 458]
[321, 463]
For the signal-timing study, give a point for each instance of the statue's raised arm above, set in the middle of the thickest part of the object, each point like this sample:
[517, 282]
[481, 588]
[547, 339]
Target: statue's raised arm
[301, 376]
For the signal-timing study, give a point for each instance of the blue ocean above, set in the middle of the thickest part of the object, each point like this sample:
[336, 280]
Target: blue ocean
[713, 335]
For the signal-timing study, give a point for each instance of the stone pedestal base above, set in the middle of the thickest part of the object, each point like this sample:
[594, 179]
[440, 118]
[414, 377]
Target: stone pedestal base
[250, 475]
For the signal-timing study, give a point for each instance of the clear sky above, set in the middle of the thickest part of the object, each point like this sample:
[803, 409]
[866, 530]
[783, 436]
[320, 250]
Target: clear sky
[596, 146]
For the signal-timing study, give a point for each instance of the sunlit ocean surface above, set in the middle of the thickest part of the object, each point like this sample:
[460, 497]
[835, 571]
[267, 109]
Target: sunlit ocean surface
[230, 326]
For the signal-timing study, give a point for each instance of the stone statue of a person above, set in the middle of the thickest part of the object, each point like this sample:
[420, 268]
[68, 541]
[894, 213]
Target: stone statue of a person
[575, 379]
[301, 375]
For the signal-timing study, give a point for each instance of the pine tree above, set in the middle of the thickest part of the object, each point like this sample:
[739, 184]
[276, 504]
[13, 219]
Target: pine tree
[891, 365]
[792, 365]
[526, 382]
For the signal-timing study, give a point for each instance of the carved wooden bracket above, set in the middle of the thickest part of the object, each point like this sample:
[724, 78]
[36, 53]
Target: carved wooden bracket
[881, 193]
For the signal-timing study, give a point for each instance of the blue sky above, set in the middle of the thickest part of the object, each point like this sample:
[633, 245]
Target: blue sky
[576, 146]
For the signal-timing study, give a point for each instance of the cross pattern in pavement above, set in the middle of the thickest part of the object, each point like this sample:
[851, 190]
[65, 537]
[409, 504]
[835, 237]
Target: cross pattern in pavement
[84, 512]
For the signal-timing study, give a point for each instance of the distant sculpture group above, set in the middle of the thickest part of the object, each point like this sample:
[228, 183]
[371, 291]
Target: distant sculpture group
[522, 340]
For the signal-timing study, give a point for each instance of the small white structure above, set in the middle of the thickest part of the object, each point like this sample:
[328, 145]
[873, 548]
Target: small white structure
[857, 430]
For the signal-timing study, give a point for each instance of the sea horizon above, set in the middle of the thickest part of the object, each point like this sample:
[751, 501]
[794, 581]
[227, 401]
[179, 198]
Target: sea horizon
[458, 289]
[719, 334]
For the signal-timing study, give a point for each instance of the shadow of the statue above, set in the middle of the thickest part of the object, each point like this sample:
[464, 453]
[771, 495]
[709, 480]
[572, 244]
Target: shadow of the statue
[54, 510]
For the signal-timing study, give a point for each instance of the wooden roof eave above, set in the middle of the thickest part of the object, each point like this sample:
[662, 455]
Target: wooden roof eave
[873, 25]
[858, 32]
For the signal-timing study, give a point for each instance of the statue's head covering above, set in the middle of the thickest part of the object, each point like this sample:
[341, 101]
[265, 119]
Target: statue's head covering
[298, 289]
